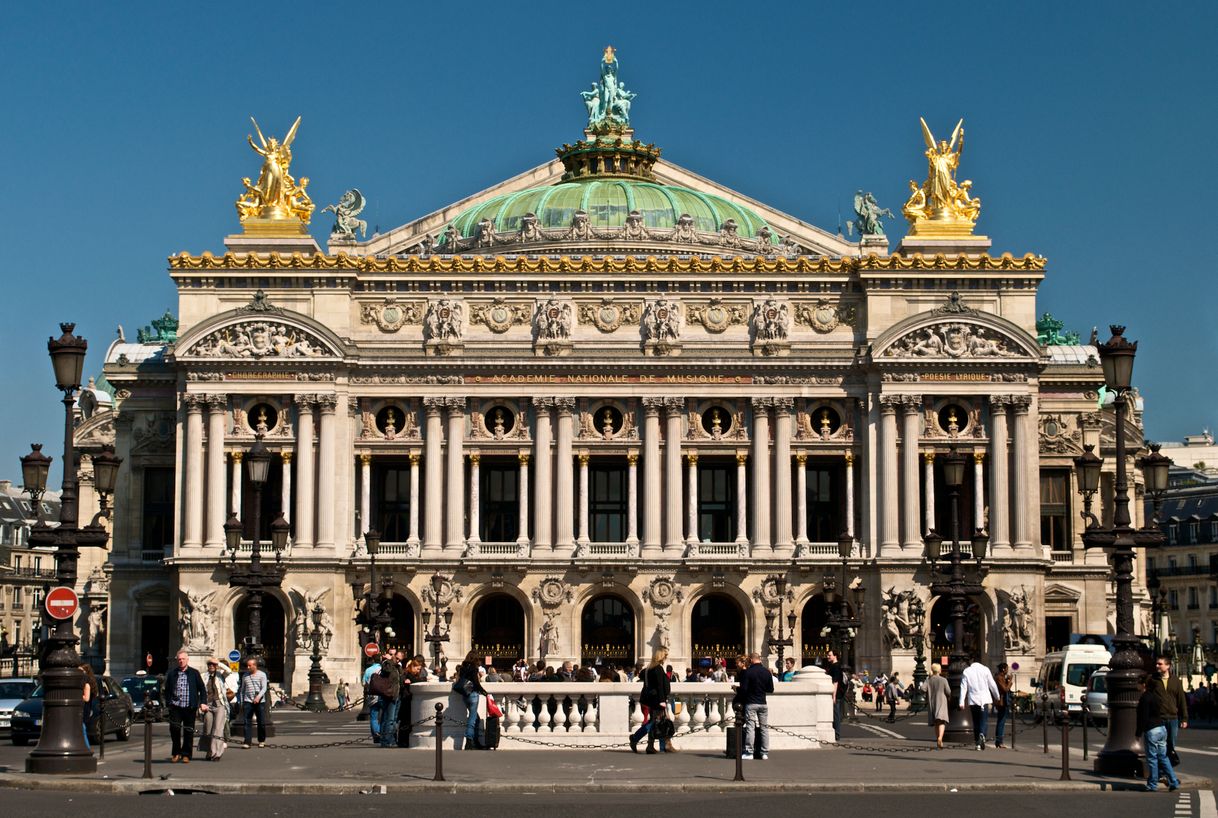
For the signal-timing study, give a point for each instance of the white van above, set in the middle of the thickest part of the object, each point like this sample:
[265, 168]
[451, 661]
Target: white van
[1064, 675]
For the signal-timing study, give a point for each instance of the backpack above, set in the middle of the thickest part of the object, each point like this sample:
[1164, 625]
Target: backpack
[383, 683]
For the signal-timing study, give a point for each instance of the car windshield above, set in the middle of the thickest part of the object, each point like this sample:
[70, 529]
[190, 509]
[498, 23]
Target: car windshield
[1079, 674]
[16, 690]
[136, 686]
[1099, 684]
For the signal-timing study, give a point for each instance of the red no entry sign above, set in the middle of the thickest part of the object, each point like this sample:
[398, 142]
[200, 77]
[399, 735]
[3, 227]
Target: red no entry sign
[61, 603]
[371, 650]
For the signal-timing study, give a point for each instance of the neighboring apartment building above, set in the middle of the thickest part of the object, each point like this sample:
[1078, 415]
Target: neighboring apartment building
[25, 572]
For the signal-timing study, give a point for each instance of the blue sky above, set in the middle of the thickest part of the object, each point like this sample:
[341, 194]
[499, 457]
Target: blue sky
[1090, 140]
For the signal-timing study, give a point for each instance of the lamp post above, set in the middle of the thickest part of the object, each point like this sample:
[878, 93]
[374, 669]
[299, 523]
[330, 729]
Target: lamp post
[61, 746]
[375, 618]
[1122, 753]
[780, 640]
[255, 577]
[315, 702]
[917, 620]
[436, 635]
[840, 624]
[957, 589]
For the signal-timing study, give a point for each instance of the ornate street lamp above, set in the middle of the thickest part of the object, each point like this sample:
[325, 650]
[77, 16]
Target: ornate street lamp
[782, 639]
[315, 702]
[957, 589]
[840, 624]
[1122, 753]
[439, 633]
[255, 577]
[61, 746]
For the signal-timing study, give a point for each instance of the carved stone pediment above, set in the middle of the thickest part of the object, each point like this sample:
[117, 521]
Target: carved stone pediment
[260, 340]
[953, 340]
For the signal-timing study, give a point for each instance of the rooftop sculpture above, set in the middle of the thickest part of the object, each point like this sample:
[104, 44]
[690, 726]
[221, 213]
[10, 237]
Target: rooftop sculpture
[276, 196]
[940, 206]
[608, 101]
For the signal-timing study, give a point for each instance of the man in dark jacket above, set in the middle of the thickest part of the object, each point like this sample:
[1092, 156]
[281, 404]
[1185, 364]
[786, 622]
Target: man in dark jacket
[752, 685]
[185, 695]
[1153, 730]
[390, 700]
[1173, 704]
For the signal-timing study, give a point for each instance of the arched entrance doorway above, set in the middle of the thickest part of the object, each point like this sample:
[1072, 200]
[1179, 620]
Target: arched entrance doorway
[716, 629]
[273, 624]
[941, 628]
[401, 620]
[813, 645]
[607, 632]
[498, 630]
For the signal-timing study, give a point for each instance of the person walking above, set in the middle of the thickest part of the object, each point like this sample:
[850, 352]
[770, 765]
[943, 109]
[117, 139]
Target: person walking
[881, 688]
[1002, 707]
[938, 692]
[1173, 704]
[91, 696]
[341, 693]
[254, 688]
[1152, 727]
[214, 740]
[978, 690]
[834, 669]
[653, 700]
[387, 684]
[470, 687]
[185, 696]
[892, 695]
[753, 685]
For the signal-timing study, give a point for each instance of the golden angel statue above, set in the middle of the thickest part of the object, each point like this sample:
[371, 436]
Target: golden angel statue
[940, 201]
[276, 195]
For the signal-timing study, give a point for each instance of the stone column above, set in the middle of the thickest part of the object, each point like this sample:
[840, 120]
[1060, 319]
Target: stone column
[783, 544]
[326, 471]
[1021, 530]
[651, 476]
[691, 522]
[801, 499]
[475, 499]
[928, 482]
[433, 520]
[305, 474]
[523, 539]
[910, 501]
[674, 542]
[454, 484]
[742, 498]
[760, 512]
[1000, 532]
[849, 528]
[365, 493]
[234, 503]
[979, 489]
[413, 537]
[217, 474]
[285, 494]
[564, 478]
[192, 531]
[543, 455]
[632, 498]
[890, 543]
[583, 499]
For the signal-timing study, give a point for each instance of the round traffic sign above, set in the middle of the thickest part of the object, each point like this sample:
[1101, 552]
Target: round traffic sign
[1014, 665]
[61, 603]
[371, 650]
[234, 656]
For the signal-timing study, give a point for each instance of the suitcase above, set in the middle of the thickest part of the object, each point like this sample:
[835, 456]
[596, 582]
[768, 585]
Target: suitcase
[731, 740]
[490, 733]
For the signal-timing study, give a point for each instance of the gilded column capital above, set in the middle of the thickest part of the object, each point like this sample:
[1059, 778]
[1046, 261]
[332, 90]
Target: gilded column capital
[237, 456]
[692, 457]
[523, 457]
[849, 457]
[928, 457]
[632, 458]
[475, 458]
[783, 405]
[674, 406]
[415, 457]
[564, 405]
[584, 457]
[801, 458]
[1021, 404]
[978, 457]
[652, 406]
[327, 403]
[194, 402]
[365, 459]
[742, 458]
[286, 457]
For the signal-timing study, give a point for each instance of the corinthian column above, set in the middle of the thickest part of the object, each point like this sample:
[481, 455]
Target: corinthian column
[285, 493]
[849, 527]
[742, 498]
[413, 538]
[1023, 496]
[761, 478]
[1000, 531]
[234, 503]
[475, 500]
[583, 498]
[979, 489]
[523, 539]
[327, 474]
[674, 542]
[365, 493]
[304, 469]
[564, 478]
[783, 545]
[801, 499]
[454, 488]
[632, 498]
[691, 523]
[433, 521]
[910, 502]
[890, 544]
[543, 473]
[651, 477]
[928, 481]
[192, 531]
[217, 476]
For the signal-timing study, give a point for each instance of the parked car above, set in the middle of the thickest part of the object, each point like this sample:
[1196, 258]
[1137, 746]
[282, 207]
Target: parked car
[1097, 694]
[141, 687]
[12, 693]
[116, 716]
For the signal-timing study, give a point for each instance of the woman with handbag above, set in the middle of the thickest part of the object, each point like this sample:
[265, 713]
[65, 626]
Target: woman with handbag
[471, 690]
[654, 701]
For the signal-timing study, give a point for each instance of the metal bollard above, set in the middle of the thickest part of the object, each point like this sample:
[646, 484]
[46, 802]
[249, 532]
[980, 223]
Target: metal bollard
[1065, 748]
[1044, 718]
[147, 737]
[739, 709]
[1086, 717]
[439, 776]
[1014, 720]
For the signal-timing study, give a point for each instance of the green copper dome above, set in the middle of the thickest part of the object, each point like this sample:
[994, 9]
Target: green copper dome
[608, 202]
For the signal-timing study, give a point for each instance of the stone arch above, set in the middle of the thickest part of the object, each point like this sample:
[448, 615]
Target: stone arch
[329, 345]
[750, 630]
[587, 593]
[469, 614]
[227, 621]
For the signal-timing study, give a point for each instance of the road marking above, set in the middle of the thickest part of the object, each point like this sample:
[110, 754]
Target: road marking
[883, 731]
[1205, 804]
[1198, 752]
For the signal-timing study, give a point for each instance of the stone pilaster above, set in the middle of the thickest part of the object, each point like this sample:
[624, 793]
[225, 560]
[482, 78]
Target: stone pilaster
[285, 493]
[433, 521]
[691, 522]
[742, 497]
[801, 500]
[564, 478]
[412, 537]
[365, 492]
[327, 471]
[1000, 532]
[305, 471]
[651, 477]
[889, 511]
[760, 512]
[632, 498]
[454, 484]
[234, 502]
[928, 486]
[217, 476]
[911, 505]
[522, 539]
[674, 541]
[1024, 442]
[543, 460]
[784, 545]
[192, 531]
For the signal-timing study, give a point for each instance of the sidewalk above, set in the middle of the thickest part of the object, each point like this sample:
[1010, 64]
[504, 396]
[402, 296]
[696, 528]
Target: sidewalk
[867, 765]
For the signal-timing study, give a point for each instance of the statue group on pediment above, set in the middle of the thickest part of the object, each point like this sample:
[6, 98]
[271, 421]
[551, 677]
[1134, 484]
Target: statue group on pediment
[258, 339]
[951, 341]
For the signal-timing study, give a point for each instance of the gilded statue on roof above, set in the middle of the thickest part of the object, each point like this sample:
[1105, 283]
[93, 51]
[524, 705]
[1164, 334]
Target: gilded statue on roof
[608, 101]
[940, 205]
[276, 195]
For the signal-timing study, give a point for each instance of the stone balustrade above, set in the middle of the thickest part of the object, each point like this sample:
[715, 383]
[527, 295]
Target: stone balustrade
[572, 714]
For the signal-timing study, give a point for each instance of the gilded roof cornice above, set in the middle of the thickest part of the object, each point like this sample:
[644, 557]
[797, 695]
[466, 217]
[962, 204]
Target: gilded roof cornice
[604, 264]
